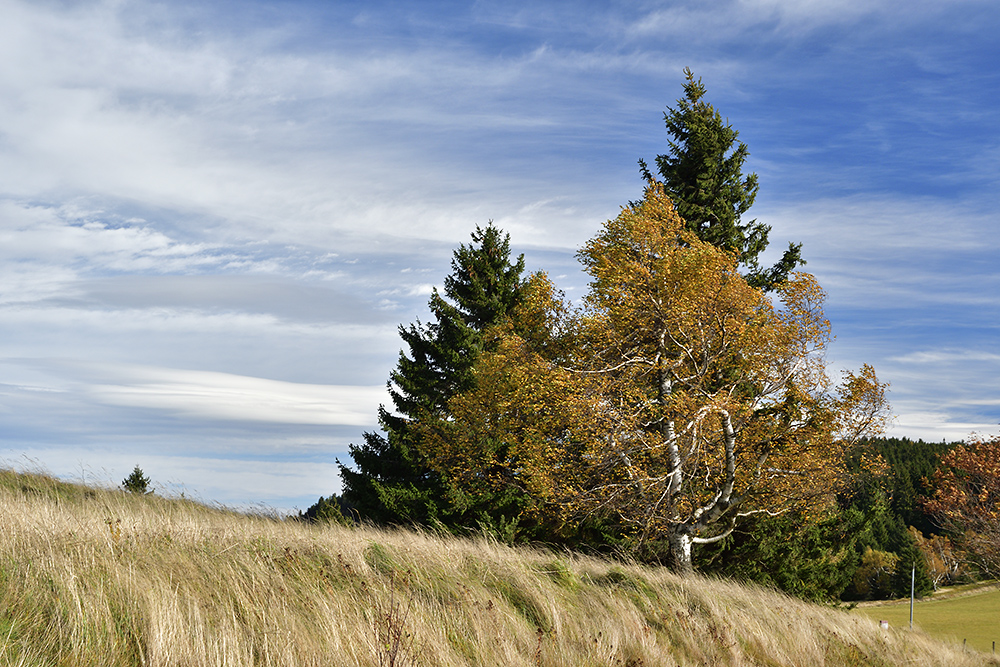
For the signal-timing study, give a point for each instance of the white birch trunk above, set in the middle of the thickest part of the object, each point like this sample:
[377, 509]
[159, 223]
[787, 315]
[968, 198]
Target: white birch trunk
[680, 551]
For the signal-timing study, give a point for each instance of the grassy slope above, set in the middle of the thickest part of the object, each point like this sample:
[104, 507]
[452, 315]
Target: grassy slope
[91, 577]
[974, 617]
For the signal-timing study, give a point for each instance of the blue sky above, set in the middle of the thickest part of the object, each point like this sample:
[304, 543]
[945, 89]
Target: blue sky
[213, 218]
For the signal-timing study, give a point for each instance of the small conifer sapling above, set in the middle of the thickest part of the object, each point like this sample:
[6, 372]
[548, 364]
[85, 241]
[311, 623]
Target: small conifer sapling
[137, 482]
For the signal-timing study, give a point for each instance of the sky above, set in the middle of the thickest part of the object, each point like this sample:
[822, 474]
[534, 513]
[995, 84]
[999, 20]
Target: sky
[215, 215]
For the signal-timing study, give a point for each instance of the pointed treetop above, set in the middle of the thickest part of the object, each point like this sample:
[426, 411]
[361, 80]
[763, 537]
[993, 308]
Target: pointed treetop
[702, 174]
[483, 283]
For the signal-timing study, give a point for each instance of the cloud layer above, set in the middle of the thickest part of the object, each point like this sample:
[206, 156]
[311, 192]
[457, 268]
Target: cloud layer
[213, 216]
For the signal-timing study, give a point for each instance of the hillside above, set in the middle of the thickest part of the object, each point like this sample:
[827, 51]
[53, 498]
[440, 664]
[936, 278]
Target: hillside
[102, 578]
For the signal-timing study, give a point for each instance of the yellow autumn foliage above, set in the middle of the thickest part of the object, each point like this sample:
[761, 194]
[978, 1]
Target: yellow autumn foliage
[676, 400]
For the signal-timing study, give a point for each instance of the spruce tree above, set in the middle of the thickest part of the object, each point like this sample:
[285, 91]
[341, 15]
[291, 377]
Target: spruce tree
[702, 174]
[392, 482]
[137, 482]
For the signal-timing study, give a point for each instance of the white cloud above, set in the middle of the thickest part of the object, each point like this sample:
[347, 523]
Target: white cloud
[884, 226]
[245, 141]
[892, 252]
[68, 235]
[723, 21]
[935, 427]
[256, 345]
[209, 395]
[945, 356]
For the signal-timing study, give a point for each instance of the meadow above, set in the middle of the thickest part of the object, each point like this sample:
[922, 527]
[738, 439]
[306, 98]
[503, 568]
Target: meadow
[99, 577]
[972, 617]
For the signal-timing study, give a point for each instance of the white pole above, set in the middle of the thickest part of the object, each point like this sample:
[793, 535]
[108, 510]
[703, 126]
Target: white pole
[913, 578]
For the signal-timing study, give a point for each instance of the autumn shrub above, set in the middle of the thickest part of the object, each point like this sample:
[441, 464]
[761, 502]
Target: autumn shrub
[873, 578]
[966, 497]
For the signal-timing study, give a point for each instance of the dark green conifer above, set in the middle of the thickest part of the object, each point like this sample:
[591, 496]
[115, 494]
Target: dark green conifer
[392, 481]
[137, 482]
[702, 173]
[910, 570]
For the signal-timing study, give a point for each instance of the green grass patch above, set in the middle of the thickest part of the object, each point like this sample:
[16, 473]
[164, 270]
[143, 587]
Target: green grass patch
[522, 600]
[618, 578]
[559, 573]
[974, 617]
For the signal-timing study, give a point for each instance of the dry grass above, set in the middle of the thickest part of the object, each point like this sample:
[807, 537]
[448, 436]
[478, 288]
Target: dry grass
[93, 577]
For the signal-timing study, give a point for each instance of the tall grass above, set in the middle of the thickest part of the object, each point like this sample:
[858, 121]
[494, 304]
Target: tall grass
[104, 578]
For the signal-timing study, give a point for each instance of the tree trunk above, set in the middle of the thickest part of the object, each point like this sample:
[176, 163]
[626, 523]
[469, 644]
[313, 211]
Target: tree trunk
[680, 551]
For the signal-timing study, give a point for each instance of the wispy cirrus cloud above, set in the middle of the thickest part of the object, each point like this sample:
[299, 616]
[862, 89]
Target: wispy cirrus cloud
[209, 395]
[259, 192]
[946, 356]
[69, 235]
[732, 19]
[240, 137]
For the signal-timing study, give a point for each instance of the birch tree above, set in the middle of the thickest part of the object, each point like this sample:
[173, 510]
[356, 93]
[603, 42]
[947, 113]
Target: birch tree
[679, 400]
[718, 396]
